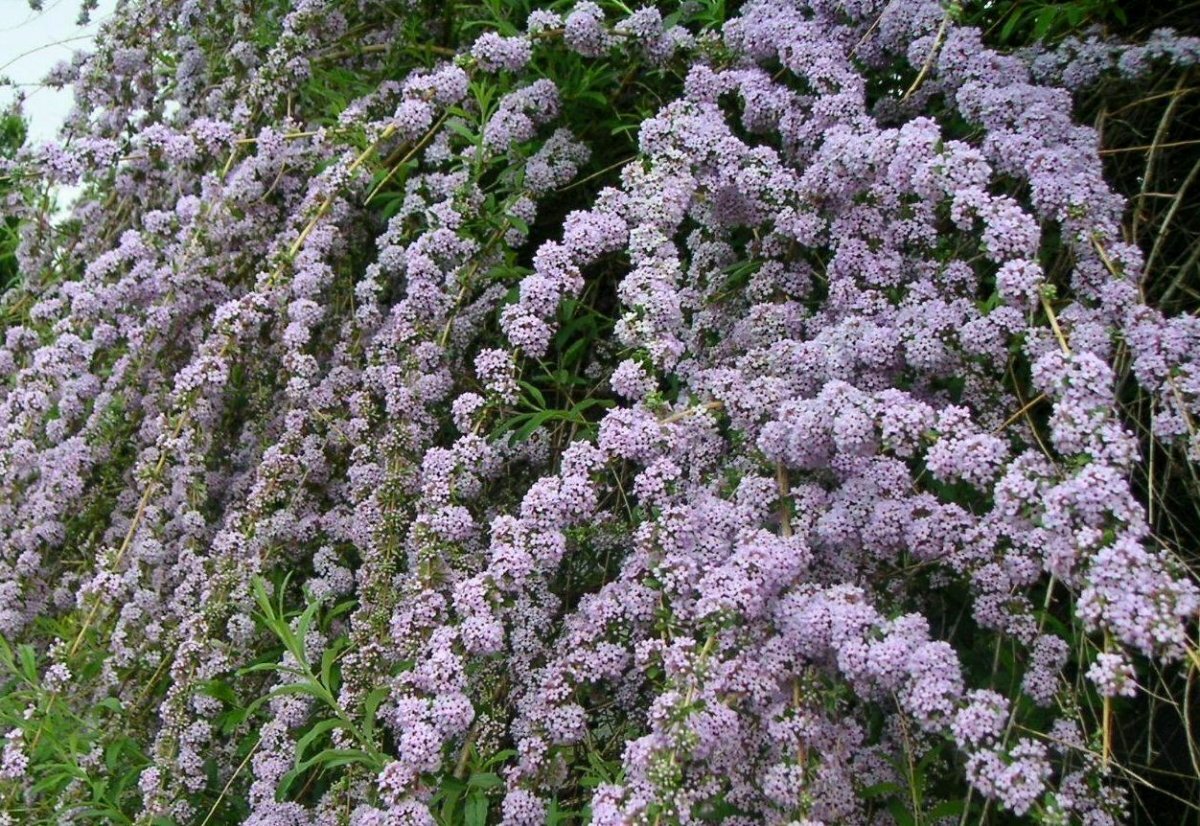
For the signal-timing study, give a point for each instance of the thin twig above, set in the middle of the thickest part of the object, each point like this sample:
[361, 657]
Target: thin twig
[1058, 333]
[785, 490]
[1161, 235]
[691, 411]
[933, 52]
[1118, 150]
[416, 147]
[1025, 408]
[1164, 124]
[229, 782]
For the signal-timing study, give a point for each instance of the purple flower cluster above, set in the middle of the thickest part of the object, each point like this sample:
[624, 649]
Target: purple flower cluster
[493, 52]
[520, 113]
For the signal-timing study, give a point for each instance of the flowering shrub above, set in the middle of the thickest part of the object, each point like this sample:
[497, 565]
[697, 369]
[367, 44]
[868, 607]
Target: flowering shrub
[438, 415]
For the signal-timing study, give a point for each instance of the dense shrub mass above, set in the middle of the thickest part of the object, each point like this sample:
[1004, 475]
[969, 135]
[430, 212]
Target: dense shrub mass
[12, 135]
[459, 414]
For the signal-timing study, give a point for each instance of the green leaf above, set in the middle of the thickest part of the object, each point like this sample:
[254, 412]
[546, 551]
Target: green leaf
[320, 729]
[518, 223]
[29, 667]
[448, 793]
[371, 708]
[900, 814]
[1045, 22]
[112, 704]
[574, 354]
[556, 814]
[343, 607]
[258, 587]
[234, 718]
[329, 659]
[880, 790]
[273, 665]
[536, 394]
[63, 774]
[476, 811]
[112, 754]
[219, 690]
[594, 97]
[304, 687]
[501, 757]
[587, 404]
[947, 808]
[485, 780]
[294, 640]
[535, 421]
[327, 759]
[102, 813]
[459, 128]
[1011, 24]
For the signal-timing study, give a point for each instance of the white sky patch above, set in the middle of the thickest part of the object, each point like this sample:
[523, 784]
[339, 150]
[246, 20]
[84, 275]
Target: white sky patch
[31, 43]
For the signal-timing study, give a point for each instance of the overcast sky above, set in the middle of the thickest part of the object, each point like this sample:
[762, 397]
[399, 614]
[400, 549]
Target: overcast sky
[33, 42]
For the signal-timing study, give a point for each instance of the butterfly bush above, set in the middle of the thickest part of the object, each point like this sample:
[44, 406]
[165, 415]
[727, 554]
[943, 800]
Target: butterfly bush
[281, 537]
